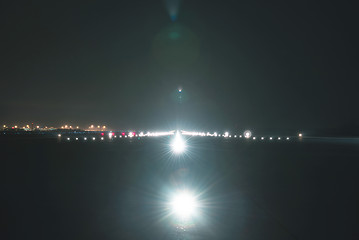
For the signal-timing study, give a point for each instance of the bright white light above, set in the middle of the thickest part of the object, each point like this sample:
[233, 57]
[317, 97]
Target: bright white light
[247, 134]
[184, 205]
[59, 135]
[201, 134]
[85, 138]
[270, 138]
[300, 135]
[102, 138]
[68, 139]
[235, 136]
[262, 138]
[254, 138]
[278, 138]
[240, 136]
[94, 138]
[178, 144]
[77, 139]
[287, 138]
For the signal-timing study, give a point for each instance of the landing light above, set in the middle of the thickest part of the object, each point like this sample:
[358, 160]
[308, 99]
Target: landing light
[184, 205]
[247, 134]
[178, 144]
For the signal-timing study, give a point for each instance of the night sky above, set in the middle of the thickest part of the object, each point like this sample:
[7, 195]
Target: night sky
[241, 64]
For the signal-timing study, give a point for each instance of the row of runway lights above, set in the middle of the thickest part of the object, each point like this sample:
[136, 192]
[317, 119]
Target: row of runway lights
[235, 136]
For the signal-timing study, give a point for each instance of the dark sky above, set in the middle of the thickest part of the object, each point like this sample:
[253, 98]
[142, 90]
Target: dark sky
[242, 64]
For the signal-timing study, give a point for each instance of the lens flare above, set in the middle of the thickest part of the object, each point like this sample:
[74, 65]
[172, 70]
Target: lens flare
[172, 8]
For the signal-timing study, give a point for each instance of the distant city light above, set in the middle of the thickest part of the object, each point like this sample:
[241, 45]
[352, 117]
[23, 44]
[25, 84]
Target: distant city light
[287, 138]
[68, 139]
[278, 138]
[300, 135]
[254, 138]
[59, 135]
[85, 138]
[262, 138]
[270, 138]
[77, 139]
[102, 138]
[94, 138]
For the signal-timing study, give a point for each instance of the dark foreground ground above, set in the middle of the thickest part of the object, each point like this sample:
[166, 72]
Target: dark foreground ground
[119, 190]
